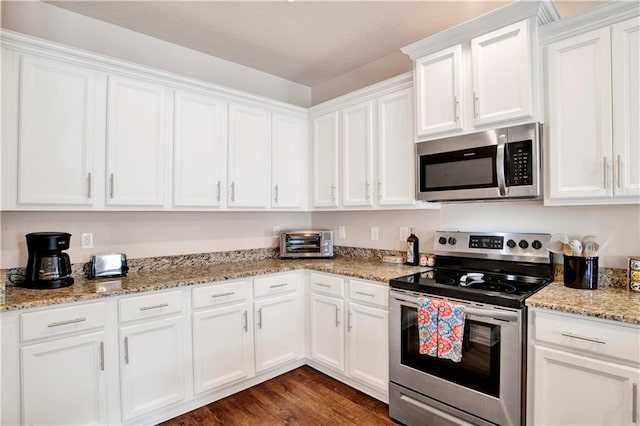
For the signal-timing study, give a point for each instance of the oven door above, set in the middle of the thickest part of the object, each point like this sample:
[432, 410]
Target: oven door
[487, 383]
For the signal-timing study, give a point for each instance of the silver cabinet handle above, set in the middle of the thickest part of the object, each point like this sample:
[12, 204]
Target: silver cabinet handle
[162, 305]
[634, 407]
[126, 350]
[233, 191]
[111, 186]
[337, 316]
[101, 356]
[379, 190]
[73, 321]
[218, 191]
[278, 285]
[365, 294]
[89, 185]
[260, 318]
[366, 190]
[246, 320]
[333, 192]
[619, 171]
[275, 191]
[456, 105]
[475, 105]
[605, 172]
[588, 339]
[349, 321]
[230, 293]
[323, 285]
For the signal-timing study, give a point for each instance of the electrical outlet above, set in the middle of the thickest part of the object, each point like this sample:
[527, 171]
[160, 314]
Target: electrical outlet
[87, 240]
[374, 233]
[276, 231]
[404, 233]
[341, 232]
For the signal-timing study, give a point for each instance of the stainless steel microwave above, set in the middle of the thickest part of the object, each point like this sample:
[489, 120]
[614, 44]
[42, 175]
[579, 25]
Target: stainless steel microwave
[306, 244]
[491, 165]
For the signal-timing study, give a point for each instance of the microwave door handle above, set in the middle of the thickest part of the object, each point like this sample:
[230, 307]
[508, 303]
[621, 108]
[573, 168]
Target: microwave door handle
[500, 165]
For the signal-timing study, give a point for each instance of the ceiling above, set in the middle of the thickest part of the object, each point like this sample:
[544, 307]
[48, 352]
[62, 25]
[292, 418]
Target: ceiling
[308, 42]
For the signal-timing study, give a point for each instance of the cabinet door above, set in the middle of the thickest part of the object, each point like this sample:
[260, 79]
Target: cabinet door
[64, 381]
[396, 150]
[136, 143]
[626, 109]
[325, 160]
[579, 122]
[57, 125]
[438, 79]
[279, 333]
[222, 347]
[288, 161]
[249, 156]
[502, 69]
[151, 366]
[357, 154]
[571, 389]
[368, 337]
[327, 330]
[199, 151]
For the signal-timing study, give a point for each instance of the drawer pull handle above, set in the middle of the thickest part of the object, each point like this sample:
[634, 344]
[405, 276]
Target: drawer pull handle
[278, 285]
[588, 339]
[73, 321]
[230, 293]
[101, 356]
[162, 305]
[365, 294]
[323, 285]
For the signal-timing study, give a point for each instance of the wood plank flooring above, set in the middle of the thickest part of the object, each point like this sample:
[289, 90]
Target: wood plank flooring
[303, 396]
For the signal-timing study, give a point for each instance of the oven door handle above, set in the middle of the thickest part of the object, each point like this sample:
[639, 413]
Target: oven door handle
[469, 311]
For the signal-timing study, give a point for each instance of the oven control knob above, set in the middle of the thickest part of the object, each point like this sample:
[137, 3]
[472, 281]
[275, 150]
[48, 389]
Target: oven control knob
[523, 244]
[452, 241]
[442, 240]
[511, 244]
[536, 244]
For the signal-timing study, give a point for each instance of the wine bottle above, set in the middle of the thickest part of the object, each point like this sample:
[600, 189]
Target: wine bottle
[413, 249]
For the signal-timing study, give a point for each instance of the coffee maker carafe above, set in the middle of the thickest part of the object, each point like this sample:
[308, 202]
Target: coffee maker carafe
[47, 266]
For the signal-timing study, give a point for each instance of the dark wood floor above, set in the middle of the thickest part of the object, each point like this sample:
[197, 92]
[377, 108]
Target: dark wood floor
[303, 396]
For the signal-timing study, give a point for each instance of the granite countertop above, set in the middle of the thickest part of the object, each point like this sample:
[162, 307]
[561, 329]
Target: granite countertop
[612, 303]
[83, 289]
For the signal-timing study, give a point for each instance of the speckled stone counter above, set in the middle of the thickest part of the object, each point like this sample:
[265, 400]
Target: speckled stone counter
[612, 303]
[83, 289]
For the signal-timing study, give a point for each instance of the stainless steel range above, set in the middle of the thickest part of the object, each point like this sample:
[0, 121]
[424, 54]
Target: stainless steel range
[491, 275]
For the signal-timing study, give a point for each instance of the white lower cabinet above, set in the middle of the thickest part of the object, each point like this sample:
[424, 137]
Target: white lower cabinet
[582, 371]
[152, 361]
[327, 330]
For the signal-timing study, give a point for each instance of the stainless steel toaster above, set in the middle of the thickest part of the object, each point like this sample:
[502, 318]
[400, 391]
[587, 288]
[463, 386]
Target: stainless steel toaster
[108, 265]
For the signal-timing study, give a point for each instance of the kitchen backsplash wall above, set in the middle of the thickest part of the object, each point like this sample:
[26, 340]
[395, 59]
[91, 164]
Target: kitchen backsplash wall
[146, 234]
[621, 223]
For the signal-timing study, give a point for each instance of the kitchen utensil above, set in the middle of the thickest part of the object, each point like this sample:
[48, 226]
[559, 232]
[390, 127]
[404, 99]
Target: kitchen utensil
[567, 250]
[554, 246]
[576, 247]
[560, 237]
[590, 249]
[588, 238]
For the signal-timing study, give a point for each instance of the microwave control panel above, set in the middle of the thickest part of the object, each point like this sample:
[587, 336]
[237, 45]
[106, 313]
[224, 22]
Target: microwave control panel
[519, 163]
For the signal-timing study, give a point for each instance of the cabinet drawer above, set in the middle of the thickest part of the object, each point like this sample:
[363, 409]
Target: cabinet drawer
[368, 292]
[219, 294]
[150, 305]
[611, 340]
[275, 284]
[59, 321]
[327, 284]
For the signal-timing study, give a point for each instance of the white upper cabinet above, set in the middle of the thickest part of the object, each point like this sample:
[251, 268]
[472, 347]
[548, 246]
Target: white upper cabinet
[56, 133]
[439, 77]
[357, 155]
[592, 116]
[136, 142]
[288, 161]
[325, 140]
[249, 156]
[396, 163]
[626, 108]
[199, 151]
[501, 70]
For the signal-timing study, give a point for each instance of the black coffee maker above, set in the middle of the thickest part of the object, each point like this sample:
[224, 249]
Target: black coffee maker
[48, 267]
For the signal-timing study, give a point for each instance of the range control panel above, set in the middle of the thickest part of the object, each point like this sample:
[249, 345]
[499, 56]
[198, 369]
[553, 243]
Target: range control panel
[495, 245]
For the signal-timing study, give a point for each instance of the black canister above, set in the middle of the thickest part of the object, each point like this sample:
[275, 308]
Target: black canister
[581, 272]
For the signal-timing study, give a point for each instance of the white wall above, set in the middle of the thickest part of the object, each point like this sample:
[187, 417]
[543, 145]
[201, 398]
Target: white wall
[58, 25]
[619, 223]
[146, 234]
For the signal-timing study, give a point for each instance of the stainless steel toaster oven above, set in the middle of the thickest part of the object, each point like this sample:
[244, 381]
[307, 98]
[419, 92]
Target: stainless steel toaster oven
[306, 244]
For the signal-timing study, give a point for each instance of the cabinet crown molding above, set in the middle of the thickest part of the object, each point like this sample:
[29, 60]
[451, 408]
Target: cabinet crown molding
[543, 11]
